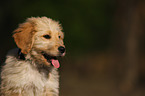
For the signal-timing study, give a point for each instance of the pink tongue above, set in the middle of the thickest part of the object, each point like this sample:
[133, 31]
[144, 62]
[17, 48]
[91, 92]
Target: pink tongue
[55, 63]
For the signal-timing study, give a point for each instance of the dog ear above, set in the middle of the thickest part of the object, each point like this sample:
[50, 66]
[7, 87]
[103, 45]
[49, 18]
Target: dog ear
[24, 36]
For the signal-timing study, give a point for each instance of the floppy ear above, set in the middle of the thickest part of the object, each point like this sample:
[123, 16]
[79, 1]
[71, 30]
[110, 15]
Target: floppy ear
[24, 36]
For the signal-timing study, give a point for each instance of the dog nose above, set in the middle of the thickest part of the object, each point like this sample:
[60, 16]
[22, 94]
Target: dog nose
[61, 49]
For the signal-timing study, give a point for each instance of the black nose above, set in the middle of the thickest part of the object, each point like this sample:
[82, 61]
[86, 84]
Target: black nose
[61, 49]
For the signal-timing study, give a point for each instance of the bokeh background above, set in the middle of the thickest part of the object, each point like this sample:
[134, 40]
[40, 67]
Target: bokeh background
[105, 41]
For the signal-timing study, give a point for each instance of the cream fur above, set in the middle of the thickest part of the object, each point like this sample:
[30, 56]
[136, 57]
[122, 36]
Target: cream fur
[22, 77]
[27, 77]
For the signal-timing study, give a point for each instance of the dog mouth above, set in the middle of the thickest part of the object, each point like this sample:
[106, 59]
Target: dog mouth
[51, 59]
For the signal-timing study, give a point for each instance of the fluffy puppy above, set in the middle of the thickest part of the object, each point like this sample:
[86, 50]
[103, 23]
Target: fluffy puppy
[31, 69]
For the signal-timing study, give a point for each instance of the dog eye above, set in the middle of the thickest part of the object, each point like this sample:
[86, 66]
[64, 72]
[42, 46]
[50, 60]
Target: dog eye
[47, 36]
[59, 36]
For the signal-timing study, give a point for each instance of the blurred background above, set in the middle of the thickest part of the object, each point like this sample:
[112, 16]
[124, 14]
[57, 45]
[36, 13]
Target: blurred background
[105, 41]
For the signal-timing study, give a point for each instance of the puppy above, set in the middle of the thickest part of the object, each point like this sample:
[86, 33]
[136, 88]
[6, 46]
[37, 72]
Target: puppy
[31, 69]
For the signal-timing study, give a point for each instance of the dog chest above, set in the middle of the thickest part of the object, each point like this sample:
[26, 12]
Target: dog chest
[26, 78]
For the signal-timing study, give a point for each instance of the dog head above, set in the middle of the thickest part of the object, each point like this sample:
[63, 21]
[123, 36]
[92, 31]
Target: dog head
[40, 37]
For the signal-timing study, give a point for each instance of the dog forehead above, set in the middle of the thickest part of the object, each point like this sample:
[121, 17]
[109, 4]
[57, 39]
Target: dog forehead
[46, 31]
[47, 24]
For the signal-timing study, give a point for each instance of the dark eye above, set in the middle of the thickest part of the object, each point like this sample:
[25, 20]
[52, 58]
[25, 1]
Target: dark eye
[58, 36]
[47, 36]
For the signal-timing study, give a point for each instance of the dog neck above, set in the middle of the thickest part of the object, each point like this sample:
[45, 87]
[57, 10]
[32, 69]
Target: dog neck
[42, 68]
